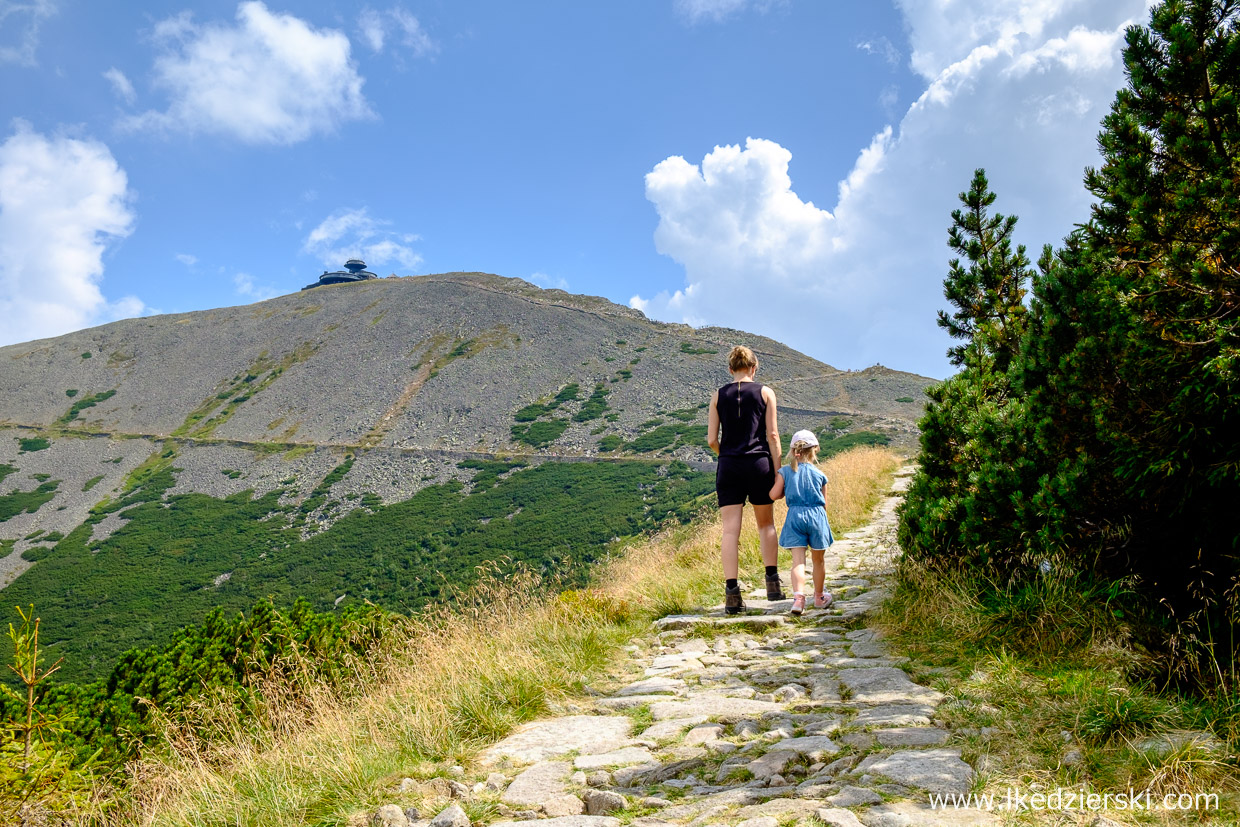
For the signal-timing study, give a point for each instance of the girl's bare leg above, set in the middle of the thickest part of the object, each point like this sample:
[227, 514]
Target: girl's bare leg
[768, 540]
[798, 570]
[729, 547]
[820, 570]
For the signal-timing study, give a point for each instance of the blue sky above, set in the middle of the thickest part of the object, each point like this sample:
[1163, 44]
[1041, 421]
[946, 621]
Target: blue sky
[786, 167]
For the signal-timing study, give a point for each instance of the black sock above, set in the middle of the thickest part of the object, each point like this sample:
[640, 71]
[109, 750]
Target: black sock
[730, 584]
[772, 572]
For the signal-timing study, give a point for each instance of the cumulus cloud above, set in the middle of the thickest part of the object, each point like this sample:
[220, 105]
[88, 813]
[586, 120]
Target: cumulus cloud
[244, 284]
[376, 27]
[268, 79]
[62, 202]
[187, 259]
[121, 85]
[1015, 86]
[20, 21]
[347, 234]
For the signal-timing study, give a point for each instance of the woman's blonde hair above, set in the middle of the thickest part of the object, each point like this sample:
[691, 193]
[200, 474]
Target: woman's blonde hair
[741, 358]
[802, 452]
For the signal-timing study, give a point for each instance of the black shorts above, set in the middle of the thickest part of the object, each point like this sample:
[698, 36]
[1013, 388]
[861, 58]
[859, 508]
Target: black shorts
[751, 476]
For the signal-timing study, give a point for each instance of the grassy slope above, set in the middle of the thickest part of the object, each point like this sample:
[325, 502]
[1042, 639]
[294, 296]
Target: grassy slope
[1052, 692]
[159, 570]
[459, 681]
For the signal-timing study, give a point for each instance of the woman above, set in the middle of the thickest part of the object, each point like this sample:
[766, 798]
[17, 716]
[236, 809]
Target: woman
[744, 432]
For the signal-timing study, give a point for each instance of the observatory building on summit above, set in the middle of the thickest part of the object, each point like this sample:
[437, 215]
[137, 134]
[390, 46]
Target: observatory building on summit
[354, 270]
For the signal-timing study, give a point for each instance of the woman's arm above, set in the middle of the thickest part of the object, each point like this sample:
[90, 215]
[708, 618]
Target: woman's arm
[712, 423]
[772, 426]
[777, 490]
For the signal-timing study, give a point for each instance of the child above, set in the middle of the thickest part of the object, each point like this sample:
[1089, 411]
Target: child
[806, 524]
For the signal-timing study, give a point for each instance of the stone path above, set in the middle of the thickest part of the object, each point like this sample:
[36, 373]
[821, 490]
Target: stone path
[761, 720]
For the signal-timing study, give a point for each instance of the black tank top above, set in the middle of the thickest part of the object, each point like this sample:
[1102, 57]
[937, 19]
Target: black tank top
[742, 420]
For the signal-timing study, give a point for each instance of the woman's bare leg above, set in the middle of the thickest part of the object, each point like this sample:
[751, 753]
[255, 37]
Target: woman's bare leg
[729, 547]
[798, 570]
[768, 541]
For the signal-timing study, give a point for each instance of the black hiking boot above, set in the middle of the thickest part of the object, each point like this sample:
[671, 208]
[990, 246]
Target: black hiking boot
[733, 604]
[774, 589]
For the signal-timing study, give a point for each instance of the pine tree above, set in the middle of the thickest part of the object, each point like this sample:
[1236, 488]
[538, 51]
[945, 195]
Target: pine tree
[989, 291]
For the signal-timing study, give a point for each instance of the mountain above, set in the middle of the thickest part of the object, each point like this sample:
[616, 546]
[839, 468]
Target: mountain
[374, 440]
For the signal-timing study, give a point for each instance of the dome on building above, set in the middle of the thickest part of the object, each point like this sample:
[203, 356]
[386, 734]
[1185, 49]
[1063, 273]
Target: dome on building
[354, 270]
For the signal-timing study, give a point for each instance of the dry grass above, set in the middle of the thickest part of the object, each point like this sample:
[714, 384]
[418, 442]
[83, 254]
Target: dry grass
[679, 571]
[461, 679]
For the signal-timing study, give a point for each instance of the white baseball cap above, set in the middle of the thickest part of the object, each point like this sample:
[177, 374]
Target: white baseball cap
[805, 436]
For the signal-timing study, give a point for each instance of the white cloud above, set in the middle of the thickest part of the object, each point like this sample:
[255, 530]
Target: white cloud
[882, 47]
[546, 282]
[1015, 86]
[121, 85]
[20, 21]
[62, 201]
[375, 26]
[269, 79]
[717, 11]
[187, 259]
[347, 234]
[245, 286]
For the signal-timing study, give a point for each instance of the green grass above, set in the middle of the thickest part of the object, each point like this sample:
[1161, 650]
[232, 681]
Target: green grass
[6, 469]
[1049, 666]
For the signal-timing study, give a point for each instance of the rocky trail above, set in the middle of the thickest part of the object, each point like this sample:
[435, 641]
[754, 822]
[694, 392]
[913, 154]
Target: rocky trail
[758, 720]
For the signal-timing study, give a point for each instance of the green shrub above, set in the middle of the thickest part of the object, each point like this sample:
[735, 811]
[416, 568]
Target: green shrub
[538, 434]
[72, 392]
[31, 444]
[595, 406]
[84, 403]
[904, 399]
[688, 347]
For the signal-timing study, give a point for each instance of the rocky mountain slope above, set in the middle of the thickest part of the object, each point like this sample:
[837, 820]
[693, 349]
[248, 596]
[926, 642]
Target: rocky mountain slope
[354, 397]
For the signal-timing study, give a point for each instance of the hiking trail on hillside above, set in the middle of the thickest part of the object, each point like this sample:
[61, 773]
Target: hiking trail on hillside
[756, 720]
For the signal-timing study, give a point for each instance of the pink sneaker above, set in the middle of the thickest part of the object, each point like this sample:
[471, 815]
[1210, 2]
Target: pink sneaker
[798, 604]
[822, 601]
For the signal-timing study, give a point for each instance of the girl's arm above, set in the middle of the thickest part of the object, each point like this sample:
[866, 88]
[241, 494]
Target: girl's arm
[712, 423]
[824, 497]
[777, 490]
[772, 426]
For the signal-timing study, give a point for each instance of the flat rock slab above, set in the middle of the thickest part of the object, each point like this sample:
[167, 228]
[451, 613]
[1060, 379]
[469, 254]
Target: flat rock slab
[586, 734]
[741, 622]
[780, 808]
[886, 685]
[670, 728]
[726, 710]
[617, 758]
[538, 784]
[628, 701]
[919, 814]
[853, 797]
[912, 737]
[894, 715]
[808, 745]
[868, 649]
[934, 770]
[563, 821]
[653, 686]
[836, 817]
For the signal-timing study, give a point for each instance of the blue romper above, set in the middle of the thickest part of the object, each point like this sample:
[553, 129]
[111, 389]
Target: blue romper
[806, 523]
